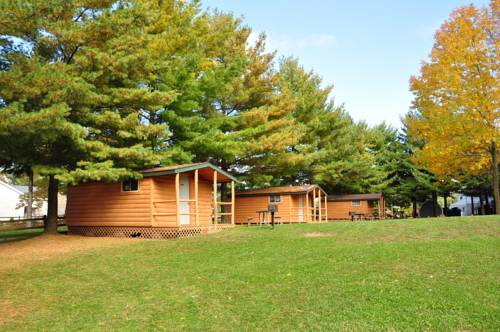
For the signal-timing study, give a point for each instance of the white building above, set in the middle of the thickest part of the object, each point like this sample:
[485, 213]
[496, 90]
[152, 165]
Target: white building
[10, 199]
[465, 205]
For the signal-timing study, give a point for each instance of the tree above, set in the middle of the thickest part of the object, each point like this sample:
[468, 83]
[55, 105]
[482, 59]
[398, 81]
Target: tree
[229, 107]
[406, 184]
[456, 106]
[73, 86]
[333, 150]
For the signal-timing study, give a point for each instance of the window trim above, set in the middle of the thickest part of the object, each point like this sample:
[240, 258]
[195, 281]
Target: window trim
[274, 202]
[130, 191]
[357, 201]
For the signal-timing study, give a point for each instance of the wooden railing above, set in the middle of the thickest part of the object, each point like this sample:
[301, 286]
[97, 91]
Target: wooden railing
[14, 223]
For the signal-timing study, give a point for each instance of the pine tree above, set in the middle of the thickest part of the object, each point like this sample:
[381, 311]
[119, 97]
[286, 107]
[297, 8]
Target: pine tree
[73, 89]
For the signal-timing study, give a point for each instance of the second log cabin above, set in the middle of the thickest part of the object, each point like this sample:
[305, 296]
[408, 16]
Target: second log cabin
[296, 204]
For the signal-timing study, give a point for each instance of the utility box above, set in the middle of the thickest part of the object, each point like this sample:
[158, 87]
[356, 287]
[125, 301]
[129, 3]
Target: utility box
[272, 208]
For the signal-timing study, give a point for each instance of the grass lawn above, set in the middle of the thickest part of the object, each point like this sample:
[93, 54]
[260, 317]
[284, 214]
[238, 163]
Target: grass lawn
[433, 274]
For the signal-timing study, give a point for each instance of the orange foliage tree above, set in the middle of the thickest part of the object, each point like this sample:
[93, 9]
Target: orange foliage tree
[456, 112]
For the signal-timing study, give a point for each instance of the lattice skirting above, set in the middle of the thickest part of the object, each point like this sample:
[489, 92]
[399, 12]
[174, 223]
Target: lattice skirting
[145, 232]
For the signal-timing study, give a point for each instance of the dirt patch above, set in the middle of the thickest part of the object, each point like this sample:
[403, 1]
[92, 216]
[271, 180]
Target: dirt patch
[10, 311]
[319, 234]
[21, 253]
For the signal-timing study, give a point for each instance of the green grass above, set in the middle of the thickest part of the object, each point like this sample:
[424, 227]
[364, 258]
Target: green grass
[434, 274]
[27, 233]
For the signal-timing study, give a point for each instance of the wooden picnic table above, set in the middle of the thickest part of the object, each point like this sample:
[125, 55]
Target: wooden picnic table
[357, 216]
[262, 215]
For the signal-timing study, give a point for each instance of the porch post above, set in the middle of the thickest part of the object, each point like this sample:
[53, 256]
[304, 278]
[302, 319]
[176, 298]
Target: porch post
[232, 201]
[177, 208]
[320, 212]
[215, 198]
[308, 211]
[314, 204]
[197, 216]
[326, 207]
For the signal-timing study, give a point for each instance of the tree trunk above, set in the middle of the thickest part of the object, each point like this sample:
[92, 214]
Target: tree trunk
[29, 208]
[415, 207]
[434, 199]
[494, 173]
[481, 205]
[472, 204]
[51, 221]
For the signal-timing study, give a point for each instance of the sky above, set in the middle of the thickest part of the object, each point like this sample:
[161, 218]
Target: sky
[366, 49]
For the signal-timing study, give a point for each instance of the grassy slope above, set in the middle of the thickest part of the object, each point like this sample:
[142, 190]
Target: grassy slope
[418, 275]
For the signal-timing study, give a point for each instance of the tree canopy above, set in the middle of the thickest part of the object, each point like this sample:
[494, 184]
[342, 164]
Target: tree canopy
[456, 106]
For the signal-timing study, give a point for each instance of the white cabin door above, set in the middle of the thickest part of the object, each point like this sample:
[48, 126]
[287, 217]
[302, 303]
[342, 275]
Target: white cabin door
[301, 208]
[184, 197]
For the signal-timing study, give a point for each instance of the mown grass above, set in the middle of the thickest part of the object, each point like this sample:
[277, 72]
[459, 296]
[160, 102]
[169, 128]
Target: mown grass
[434, 274]
[15, 234]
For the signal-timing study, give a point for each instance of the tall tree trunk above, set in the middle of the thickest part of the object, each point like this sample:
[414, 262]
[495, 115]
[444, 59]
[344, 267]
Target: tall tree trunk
[481, 204]
[29, 208]
[494, 173]
[472, 204]
[414, 207]
[434, 199]
[51, 222]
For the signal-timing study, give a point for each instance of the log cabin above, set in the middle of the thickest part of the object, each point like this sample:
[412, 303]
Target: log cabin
[296, 204]
[168, 202]
[356, 206]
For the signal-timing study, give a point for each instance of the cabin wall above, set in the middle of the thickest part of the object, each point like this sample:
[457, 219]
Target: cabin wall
[205, 201]
[340, 210]
[104, 204]
[164, 190]
[247, 207]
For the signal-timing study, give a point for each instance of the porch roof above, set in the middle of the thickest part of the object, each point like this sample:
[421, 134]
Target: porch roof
[283, 190]
[204, 170]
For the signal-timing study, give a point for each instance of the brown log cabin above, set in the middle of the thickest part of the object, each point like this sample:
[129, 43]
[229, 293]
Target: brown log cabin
[168, 202]
[356, 206]
[296, 204]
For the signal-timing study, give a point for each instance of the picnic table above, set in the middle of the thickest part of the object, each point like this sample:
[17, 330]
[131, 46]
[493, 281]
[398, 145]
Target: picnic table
[357, 216]
[262, 216]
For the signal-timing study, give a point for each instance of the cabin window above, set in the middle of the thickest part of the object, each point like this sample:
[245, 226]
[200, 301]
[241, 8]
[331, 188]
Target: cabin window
[275, 198]
[130, 185]
[356, 203]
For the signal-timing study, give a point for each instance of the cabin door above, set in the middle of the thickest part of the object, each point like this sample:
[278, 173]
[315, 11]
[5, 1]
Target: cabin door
[301, 208]
[184, 200]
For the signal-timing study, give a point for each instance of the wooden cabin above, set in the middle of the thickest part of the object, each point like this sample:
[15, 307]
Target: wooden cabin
[296, 204]
[167, 202]
[356, 206]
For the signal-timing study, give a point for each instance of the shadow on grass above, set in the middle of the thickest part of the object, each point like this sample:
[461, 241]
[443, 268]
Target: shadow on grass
[25, 234]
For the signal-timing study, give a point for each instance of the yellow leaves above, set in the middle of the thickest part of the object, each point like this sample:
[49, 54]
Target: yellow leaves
[457, 95]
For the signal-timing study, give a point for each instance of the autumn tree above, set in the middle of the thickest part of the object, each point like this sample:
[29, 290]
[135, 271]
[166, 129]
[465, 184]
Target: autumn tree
[456, 107]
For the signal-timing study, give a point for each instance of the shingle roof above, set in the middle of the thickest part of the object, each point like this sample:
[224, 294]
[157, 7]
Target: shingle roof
[278, 190]
[350, 197]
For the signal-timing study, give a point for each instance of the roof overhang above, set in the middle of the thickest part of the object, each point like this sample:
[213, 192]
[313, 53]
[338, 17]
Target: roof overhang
[281, 192]
[224, 176]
